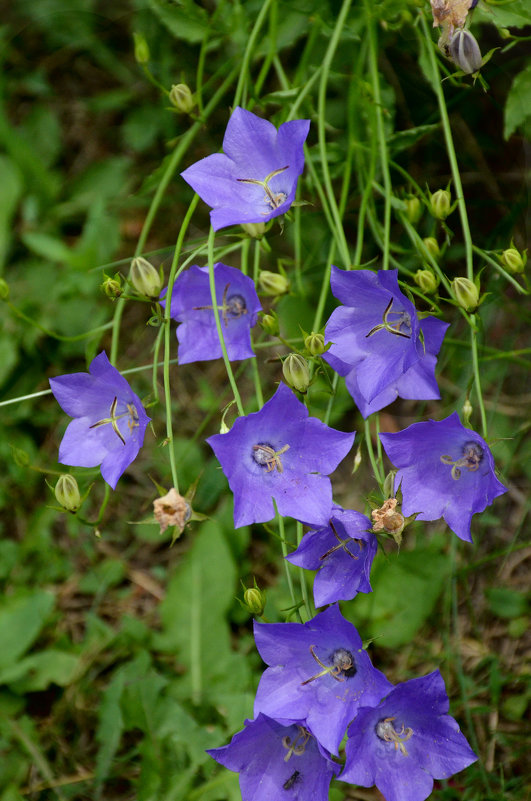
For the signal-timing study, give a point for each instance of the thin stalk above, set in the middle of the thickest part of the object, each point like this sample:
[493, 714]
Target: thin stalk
[243, 66]
[378, 473]
[302, 578]
[284, 546]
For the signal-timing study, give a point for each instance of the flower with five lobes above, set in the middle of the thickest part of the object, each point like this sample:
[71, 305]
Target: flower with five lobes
[319, 673]
[109, 420]
[276, 761]
[379, 343]
[255, 178]
[342, 553]
[281, 454]
[406, 742]
[191, 305]
[445, 470]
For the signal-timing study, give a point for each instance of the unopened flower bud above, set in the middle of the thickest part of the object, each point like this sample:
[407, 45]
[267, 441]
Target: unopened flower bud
[296, 372]
[182, 98]
[67, 492]
[357, 461]
[441, 203]
[513, 260]
[467, 412]
[255, 230]
[466, 293]
[464, 51]
[388, 519]
[269, 322]
[432, 246]
[4, 289]
[315, 344]
[112, 287]
[145, 278]
[413, 209]
[255, 601]
[141, 48]
[272, 284]
[427, 281]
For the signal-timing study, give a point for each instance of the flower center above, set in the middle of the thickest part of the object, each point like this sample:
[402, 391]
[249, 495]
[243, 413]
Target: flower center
[394, 325]
[296, 746]
[113, 419]
[470, 460]
[231, 305]
[342, 544]
[385, 730]
[341, 665]
[273, 200]
[266, 456]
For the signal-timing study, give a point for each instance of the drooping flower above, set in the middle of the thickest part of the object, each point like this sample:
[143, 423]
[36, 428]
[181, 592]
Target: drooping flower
[406, 742]
[280, 453]
[255, 178]
[445, 470]
[191, 305]
[277, 762]
[379, 343]
[342, 553]
[109, 420]
[319, 673]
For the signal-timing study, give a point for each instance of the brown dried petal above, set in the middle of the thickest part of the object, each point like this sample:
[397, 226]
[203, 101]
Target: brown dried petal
[171, 510]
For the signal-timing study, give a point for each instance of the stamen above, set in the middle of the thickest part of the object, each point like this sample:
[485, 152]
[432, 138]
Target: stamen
[265, 455]
[392, 327]
[342, 544]
[386, 731]
[298, 745]
[342, 662]
[470, 460]
[233, 306]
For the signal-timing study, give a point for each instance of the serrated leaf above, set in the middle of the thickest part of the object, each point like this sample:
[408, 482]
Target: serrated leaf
[518, 105]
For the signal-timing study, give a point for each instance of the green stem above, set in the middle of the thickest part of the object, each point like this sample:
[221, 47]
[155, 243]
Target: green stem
[302, 578]
[287, 565]
[378, 473]
[53, 334]
[243, 66]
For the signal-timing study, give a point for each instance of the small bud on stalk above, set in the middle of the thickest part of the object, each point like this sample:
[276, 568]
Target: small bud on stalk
[4, 289]
[255, 600]
[272, 284]
[296, 372]
[512, 260]
[269, 323]
[466, 293]
[112, 287]
[145, 278]
[182, 98]
[464, 51]
[427, 281]
[67, 492]
[441, 203]
[315, 344]
[413, 209]
[432, 246]
[141, 48]
[467, 412]
[255, 230]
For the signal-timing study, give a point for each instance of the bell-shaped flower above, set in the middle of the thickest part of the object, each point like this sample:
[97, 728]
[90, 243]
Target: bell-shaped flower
[276, 762]
[109, 420]
[283, 454]
[319, 673]
[255, 178]
[191, 305]
[342, 553]
[406, 741]
[378, 342]
[444, 470]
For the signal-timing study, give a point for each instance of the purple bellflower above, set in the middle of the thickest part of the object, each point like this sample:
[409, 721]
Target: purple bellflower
[342, 553]
[379, 343]
[280, 453]
[445, 470]
[109, 420]
[255, 178]
[277, 762]
[191, 305]
[319, 673]
[406, 741]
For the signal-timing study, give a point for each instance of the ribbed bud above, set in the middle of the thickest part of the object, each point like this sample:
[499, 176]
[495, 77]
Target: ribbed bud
[464, 51]
[255, 230]
[413, 209]
[296, 372]
[272, 284]
[4, 289]
[145, 278]
[315, 344]
[432, 246]
[466, 293]
[141, 48]
[427, 281]
[513, 260]
[67, 492]
[255, 601]
[182, 98]
[467, 412]
[112, 287]
[441, 203]
[269, 323]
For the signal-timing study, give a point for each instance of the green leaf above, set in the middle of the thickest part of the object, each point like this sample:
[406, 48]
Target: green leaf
[183, 18]
[38, 671]
[10, 192]
[518, 105]
[505, 602]
[404, 139]
[22, 616]
[514, 14]
[49, 247]
[110, 728]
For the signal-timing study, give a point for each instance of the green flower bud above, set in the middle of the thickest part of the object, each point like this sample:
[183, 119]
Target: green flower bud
[466, 293]
[467, 412]
[4, 289]
[254, 601]
[182, 98]
[67, 492]
[145, 278]
[296, 372]
[112, 287]
[413, 209]
[141, 48]
[272, 284]
[432, 246]
[426, 280]
[255, 230]
[441, 203]
[513, 260]
[315, 344]
[269, 323]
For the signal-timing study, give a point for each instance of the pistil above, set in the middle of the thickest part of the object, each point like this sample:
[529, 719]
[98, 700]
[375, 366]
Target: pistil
[265, 455]
[231, 306]
[113, 419]
[393, 327]
[272, 200]
[470, 460]
[386, 731]
[342, 544]
[298, 745]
